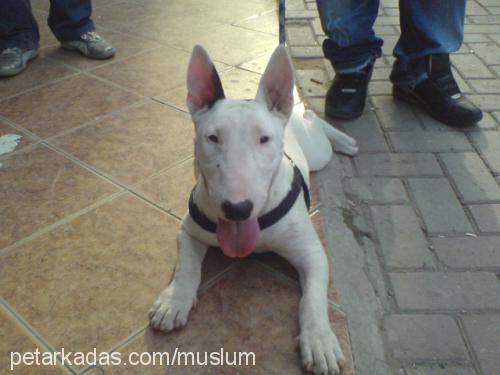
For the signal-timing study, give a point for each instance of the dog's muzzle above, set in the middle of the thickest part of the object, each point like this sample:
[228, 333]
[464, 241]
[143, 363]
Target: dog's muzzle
[237, 211]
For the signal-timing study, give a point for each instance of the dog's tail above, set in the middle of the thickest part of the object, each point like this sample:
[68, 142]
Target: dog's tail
[341, 142]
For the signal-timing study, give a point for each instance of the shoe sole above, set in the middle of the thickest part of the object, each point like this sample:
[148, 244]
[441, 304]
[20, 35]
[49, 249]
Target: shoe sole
[407, 97]
[71, 48]
[26, 57]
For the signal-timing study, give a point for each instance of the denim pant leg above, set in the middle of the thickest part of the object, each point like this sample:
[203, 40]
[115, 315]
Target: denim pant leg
[68, 19]
[351, 43]
[18, 27]
[428, 27]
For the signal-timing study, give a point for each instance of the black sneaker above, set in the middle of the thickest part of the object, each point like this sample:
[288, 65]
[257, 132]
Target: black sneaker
[345, 100]
[440, 95]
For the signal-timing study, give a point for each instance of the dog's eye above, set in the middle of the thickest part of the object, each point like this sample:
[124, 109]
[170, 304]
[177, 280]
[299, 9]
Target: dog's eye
[213, 138]
[264, 139]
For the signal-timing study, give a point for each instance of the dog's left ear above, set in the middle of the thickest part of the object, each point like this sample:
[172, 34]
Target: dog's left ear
[276, 85]
[203, 82]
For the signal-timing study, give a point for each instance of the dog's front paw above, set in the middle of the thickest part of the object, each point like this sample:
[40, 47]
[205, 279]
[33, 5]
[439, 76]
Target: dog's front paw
[171, 309]
[320, 350]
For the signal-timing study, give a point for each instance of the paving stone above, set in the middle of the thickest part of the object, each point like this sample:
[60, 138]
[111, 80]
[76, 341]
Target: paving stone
[424, 337]
[473, 9]
[486, 19]
[393, 165]
[468, 252]
[395, 115]
[487, 102]
[488, 143]
[381, 74]
[475, 38]
[292, 14]
[312, 82]
[376, 190]
[488, 122]
[472, 178]
[481, 29]
[422, 141]
[496, 115]
[366, 131]
[486, 86]
[439, 206]
[487, 216]
[470, 66]
[484, 333]
[300, 34]
[380, 88]
[444, 370]
[446, 290]
[401, 239]
[488, 52]
[309, 52]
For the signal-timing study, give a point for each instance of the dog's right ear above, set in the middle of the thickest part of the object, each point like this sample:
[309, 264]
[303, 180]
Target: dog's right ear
[203, 82]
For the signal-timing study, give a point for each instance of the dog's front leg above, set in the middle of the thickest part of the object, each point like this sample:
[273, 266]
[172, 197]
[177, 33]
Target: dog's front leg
[171, 310]
[319, 346]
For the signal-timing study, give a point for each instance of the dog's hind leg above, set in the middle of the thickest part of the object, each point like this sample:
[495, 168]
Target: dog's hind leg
[171, 310]
[319, 346]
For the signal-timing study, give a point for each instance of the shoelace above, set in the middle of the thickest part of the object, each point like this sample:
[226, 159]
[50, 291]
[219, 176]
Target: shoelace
[90, 36]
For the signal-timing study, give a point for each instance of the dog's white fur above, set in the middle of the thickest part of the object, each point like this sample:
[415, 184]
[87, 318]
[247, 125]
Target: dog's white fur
[238, 167]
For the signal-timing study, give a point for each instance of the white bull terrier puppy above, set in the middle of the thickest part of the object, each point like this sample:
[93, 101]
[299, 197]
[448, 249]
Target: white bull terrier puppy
[250, 196]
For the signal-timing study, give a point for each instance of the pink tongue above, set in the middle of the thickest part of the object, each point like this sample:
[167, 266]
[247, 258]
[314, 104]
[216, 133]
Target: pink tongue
[237, 238]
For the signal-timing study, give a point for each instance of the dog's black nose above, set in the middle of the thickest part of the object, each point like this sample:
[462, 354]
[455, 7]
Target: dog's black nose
[237, 211]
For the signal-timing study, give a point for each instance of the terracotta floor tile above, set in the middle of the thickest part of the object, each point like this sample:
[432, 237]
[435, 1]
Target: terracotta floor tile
[39, 72]
[238, 45]
[149, 73]
[125, 45]
[119, 14]
[266, 23]
[39, 187]
[64, 105]
[91, 282]
[134, 144]
[249, 309]
[172, 188]
[25, 141]
[234, 11]
[258, 64]
[168, 28]
[15, 339]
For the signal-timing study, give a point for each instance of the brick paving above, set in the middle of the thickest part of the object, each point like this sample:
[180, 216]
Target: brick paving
[422, 202]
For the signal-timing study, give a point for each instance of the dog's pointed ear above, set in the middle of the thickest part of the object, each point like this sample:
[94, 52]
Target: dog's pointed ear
[276, 85]
[203, 83]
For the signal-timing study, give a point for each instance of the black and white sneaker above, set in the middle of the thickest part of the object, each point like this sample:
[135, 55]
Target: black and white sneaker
[440, 96]
[346, 97]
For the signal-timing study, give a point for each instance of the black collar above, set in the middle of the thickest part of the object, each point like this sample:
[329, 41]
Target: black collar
[268, 219]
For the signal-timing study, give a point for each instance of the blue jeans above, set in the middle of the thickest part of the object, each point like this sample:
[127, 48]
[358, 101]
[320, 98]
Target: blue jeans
[428, 27]
[68, 19]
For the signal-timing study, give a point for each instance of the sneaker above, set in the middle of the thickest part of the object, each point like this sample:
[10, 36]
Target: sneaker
[345, 100]
[91, 45]
[440, 95]
[15, 60]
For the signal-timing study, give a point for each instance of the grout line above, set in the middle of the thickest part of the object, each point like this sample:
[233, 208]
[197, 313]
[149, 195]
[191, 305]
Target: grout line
[30, 332]
[53, 82]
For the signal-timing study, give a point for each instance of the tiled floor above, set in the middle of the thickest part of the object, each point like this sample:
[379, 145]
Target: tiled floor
[91, 198]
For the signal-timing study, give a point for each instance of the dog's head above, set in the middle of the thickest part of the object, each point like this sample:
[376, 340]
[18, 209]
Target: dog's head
[239, 144]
